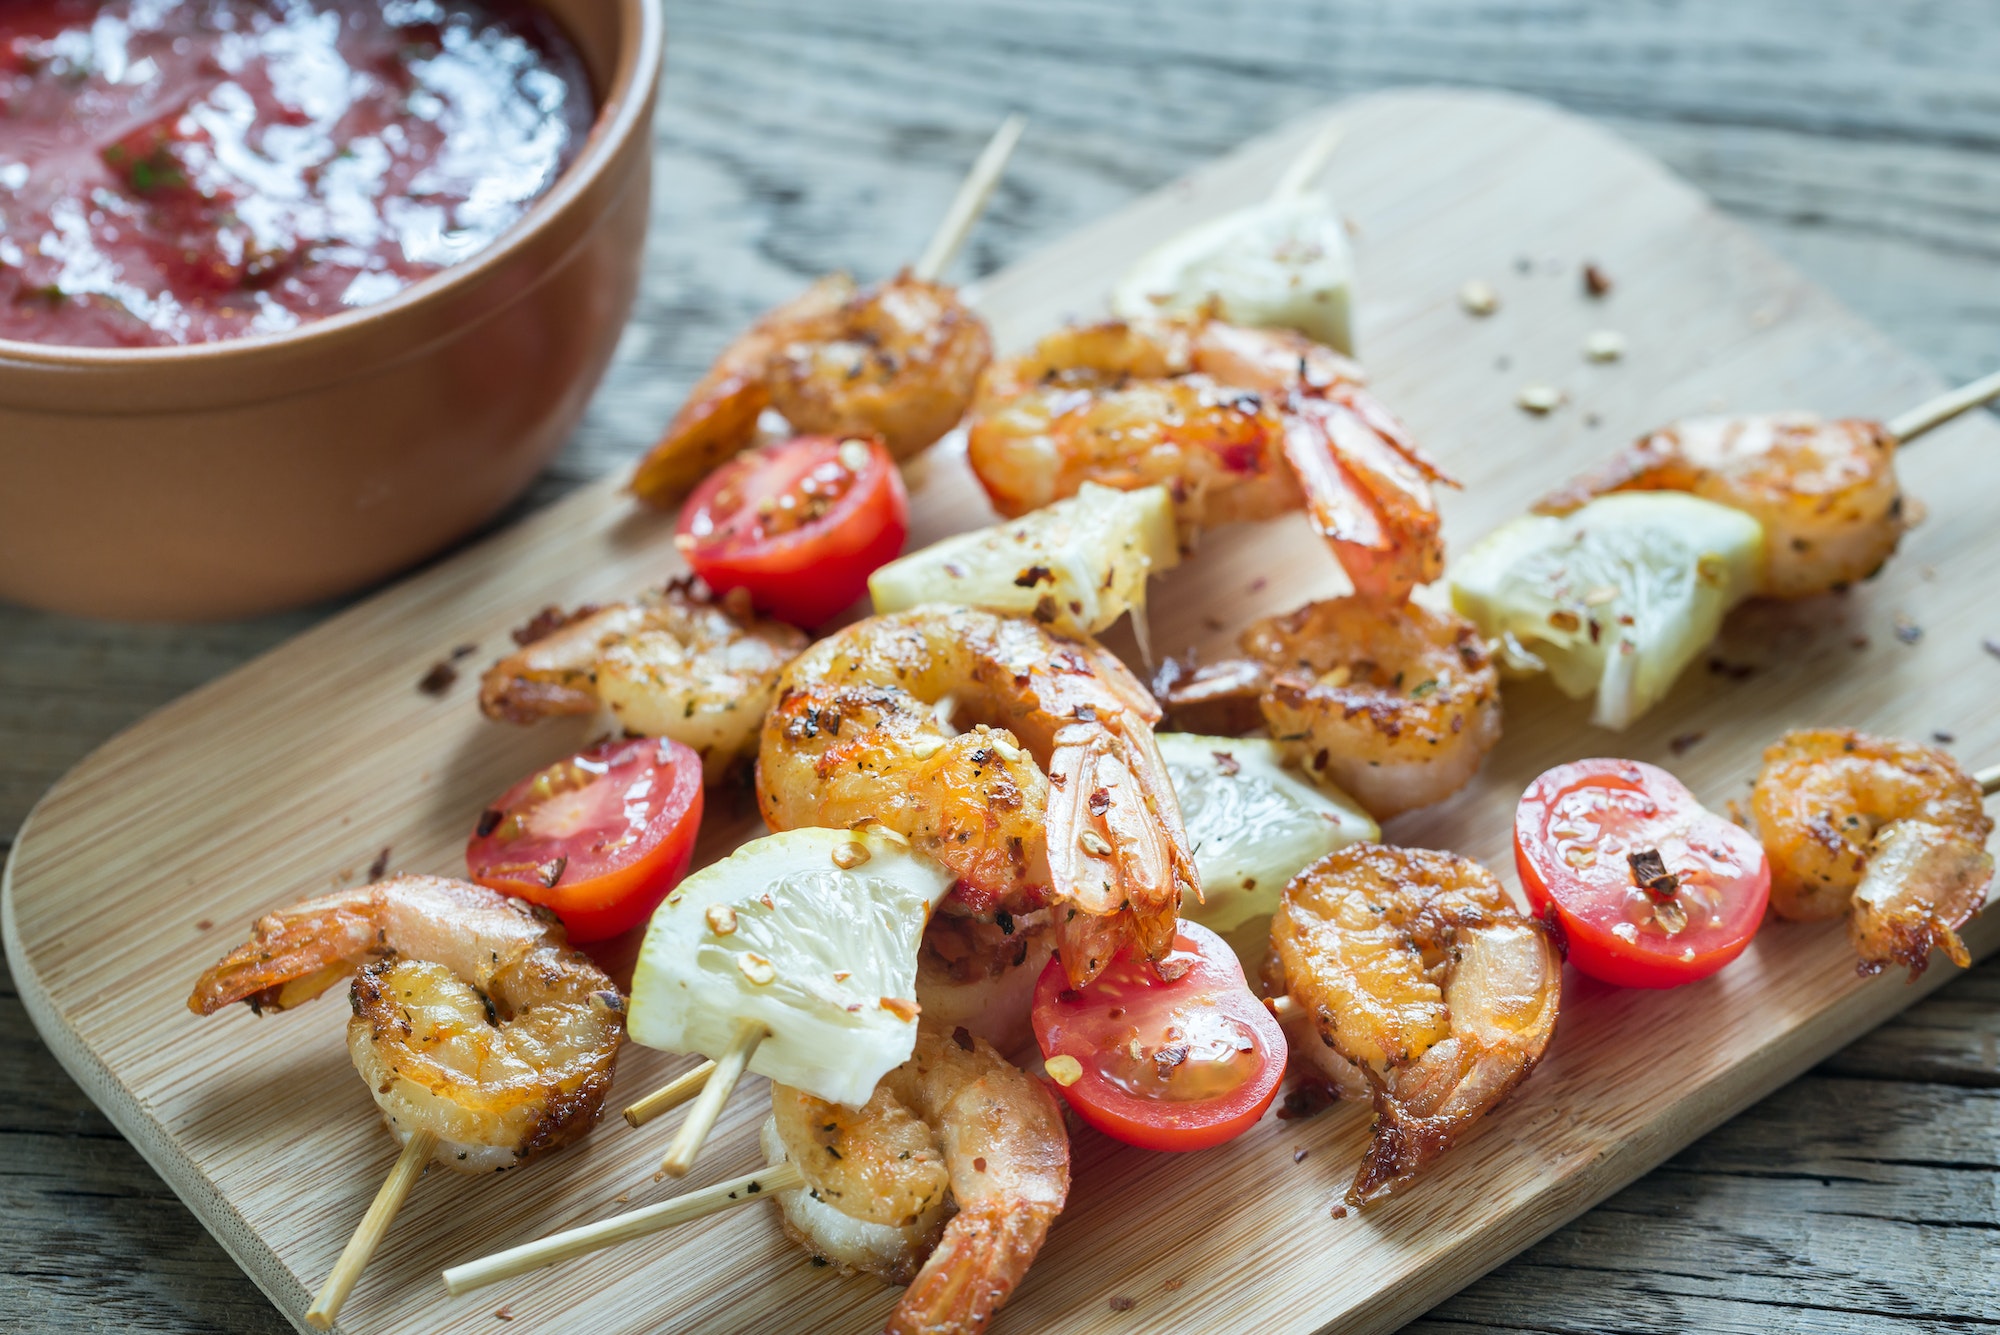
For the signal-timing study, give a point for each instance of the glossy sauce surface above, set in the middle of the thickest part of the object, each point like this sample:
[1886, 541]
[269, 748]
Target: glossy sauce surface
[180, 171]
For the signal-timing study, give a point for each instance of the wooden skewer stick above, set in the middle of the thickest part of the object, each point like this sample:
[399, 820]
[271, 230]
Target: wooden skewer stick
[670, 1095]
[970, 201]
[714, 1093]
[622, 1228]
[1298, 177]
[410, 1165]
[1988, 780]
[1943, 408]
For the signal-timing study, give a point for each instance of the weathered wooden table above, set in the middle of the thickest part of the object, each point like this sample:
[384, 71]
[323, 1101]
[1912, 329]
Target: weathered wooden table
[796, 137]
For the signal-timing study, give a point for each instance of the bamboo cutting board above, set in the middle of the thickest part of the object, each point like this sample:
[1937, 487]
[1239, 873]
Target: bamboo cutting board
[294, 774]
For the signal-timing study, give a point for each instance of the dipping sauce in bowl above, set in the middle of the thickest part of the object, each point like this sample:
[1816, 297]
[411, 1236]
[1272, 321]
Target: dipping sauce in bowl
[182, 171]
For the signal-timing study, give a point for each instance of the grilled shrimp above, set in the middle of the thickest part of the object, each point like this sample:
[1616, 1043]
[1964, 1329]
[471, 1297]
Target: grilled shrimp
[979, 973]
[1240, 424]
[1397, 705]
[1890, 833]
[1416, 968]
[1825, 491]
[676, 665]
[899, 359]
[1057, 793]
[472, 1017]
[954, 1133]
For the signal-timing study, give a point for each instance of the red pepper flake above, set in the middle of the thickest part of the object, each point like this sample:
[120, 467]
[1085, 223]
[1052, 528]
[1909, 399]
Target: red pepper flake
[1227, 763]
[1120, 1303]
[1649, 873]
[380, 866]
[1173, 1285]
[1685, 743]
[205, 925]
[1100, 801]
[1032, 576]
[1338, 1212]
[439, 679]
[503, 1314]
[1596, 282]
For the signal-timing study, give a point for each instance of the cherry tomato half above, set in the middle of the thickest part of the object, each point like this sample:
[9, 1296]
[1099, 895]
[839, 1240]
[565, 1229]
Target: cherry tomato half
[1178, 1065]
[600, 837]
[1651, 888]
[800, 525]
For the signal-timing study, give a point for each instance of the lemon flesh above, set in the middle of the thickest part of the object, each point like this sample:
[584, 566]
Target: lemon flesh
[1282, 264]
[1076, 566]
[781, 932]
[1615, 598]
[1253, 822]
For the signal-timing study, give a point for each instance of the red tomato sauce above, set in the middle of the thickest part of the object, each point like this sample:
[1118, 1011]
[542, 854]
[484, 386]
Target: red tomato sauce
[180, 171]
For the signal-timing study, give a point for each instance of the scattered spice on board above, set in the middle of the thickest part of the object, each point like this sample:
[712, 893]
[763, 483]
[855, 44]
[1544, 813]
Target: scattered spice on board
[1908, 631]
[1298, 1156]
[1596, 282]
[1943, 738]
[380, 866]
[439, 679]
[1338, 1212]
[1120, 1303]
[1685, 743]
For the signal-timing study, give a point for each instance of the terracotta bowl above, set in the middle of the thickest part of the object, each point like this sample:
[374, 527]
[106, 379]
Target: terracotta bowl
[237, 477]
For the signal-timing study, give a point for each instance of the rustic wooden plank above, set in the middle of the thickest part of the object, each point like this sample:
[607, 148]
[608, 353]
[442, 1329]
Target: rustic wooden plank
[1854, 137]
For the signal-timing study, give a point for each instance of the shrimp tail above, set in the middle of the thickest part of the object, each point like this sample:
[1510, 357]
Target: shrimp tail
[1368, 491]
[1403, 1143]
[1117, 848]
[290, 959]
[985, 1251]
[1921, 885]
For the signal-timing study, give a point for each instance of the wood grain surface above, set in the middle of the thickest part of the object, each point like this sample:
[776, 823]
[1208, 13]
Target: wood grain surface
[1855, 138]
[173, 837]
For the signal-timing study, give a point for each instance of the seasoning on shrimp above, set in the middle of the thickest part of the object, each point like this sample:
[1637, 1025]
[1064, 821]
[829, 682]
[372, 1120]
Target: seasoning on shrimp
[946, 1180]
[1825, 491]
[1396, 705]
[473, 1019]
[1426, 986]
[1889, 833]
[1239, 424]
[676, 665]
[1008, 805]
[899, 359]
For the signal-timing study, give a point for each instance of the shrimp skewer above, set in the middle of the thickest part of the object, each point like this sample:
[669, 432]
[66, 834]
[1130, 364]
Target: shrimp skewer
[1825, 491]
[1239, 424]
[1395, 705]
[1423, 981]
[676, 665]
[483, 1038]
[1890, 834]
[1056, 793]
[899, 360]
[946, 1180]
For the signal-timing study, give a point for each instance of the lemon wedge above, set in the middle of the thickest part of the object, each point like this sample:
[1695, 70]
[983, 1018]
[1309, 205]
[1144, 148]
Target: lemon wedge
[812, 933]
[1253, 822]
[1076, 566]
[1616, 597]
[1282, 264]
